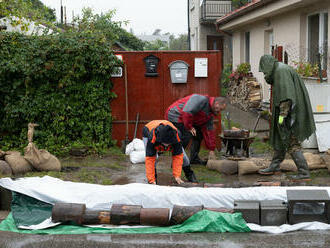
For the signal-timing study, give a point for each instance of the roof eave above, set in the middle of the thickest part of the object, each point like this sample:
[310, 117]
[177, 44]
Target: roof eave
[242, 12]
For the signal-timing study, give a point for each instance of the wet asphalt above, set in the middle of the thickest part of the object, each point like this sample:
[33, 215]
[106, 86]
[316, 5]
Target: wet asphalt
[299, 239]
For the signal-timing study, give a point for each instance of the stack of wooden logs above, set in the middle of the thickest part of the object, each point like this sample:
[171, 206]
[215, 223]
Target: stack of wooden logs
[120, 214]
[245, 93]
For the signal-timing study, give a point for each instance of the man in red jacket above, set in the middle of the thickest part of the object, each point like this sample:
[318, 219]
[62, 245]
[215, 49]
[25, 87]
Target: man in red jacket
[162, 135]
[193, 115]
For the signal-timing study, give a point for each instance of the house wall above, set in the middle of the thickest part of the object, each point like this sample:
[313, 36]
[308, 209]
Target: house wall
[199, 33]
[194, 24]
[289, 30]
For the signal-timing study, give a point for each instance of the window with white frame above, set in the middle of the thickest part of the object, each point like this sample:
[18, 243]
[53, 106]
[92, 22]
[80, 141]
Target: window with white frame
[269, 41]
[192, 43]
[247, 47]
[192, 4]
[318, 39]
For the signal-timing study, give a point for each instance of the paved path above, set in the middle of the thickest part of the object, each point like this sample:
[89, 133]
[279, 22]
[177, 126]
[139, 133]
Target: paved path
[302, 239]
[247, 120]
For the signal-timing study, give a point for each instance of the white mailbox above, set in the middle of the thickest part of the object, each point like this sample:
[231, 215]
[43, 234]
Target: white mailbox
[179, 71]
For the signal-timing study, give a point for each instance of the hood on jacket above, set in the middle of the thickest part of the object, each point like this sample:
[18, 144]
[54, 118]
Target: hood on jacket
[267, 65]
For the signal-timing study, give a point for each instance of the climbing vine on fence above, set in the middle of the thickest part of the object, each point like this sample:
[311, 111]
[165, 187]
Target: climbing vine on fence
[62, 83]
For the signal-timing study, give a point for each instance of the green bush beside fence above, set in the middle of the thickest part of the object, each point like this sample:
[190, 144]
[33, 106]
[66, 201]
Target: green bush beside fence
[60, 81]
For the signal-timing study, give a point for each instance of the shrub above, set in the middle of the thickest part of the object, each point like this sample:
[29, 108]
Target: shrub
[60, 82]
[306, 69]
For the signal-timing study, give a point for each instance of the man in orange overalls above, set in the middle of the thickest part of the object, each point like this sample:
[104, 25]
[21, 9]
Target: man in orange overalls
[162, 135]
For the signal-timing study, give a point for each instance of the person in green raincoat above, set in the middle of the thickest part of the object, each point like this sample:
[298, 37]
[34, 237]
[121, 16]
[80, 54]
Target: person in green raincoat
[292, 117]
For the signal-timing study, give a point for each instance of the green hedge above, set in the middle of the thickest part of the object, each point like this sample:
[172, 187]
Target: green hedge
[62, 83]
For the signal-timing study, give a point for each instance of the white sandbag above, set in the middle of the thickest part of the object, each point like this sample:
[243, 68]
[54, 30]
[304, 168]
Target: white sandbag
[135, 145]
[137, 157]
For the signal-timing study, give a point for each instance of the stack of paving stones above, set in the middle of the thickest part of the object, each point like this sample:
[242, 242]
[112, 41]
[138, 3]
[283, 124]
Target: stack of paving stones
[301, 206]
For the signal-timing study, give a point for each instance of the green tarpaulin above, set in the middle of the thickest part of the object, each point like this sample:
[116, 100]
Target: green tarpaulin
[28, 211]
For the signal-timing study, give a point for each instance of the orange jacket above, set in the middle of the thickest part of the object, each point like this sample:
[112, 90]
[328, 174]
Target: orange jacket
[153, 146]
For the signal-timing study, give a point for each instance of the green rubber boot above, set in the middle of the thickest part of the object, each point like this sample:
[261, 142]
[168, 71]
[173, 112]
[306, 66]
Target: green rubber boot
[301, 163]
[275, 164]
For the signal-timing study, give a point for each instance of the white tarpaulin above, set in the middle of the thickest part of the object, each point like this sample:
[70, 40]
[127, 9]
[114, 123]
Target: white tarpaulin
[101, 197]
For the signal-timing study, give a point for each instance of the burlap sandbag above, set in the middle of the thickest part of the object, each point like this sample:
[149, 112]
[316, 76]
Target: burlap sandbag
[314, 161]
[227, 167]
[2, 154]
[288, 165]
[18, 164]
[251, 166]
[5, 168]
[326, 160]
[41, 159]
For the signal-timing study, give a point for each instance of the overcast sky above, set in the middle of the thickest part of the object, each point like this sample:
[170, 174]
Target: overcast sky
[144, 16]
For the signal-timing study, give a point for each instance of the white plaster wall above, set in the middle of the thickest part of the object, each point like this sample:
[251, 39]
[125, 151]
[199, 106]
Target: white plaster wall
[289, 31]
[204, 31]
[236, 49]
[194, 23]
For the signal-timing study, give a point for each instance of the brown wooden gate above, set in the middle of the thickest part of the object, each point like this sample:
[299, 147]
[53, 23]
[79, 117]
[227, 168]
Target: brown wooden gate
[150, 96]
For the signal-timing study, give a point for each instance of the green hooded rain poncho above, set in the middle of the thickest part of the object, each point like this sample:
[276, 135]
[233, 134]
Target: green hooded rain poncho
[287, 85]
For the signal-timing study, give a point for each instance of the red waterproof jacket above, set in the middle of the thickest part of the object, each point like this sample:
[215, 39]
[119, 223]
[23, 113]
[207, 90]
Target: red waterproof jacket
[195, 110]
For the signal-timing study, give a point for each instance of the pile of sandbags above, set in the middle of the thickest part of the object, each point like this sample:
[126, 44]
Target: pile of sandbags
[253, 165]
[41, 160]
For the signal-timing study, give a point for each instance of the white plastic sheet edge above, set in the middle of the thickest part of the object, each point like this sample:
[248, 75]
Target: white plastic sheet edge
[101, 197]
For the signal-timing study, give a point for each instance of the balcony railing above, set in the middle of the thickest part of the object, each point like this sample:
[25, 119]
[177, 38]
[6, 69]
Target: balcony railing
[214, 9]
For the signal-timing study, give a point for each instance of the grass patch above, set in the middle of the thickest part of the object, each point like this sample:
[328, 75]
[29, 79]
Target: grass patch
[116, 152]
[319, 173]
[203, 174]
[83, 175]
[260, 147]
[224, 122]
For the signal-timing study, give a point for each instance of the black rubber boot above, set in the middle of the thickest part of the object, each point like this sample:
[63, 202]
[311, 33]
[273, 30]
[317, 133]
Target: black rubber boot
[194, 150]
[195, 147]
[190, 175]
[275, 164]
[301, 163]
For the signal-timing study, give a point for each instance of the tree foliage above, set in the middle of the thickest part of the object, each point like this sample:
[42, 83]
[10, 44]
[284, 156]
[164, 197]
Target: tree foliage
[180, 43]
[104, 25]
[239, 3]
[61, 82]
[33, 10]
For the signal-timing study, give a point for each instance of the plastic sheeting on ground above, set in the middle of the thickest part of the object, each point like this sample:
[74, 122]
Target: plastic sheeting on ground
[203, 221]
[100, 197]
[27, 211]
